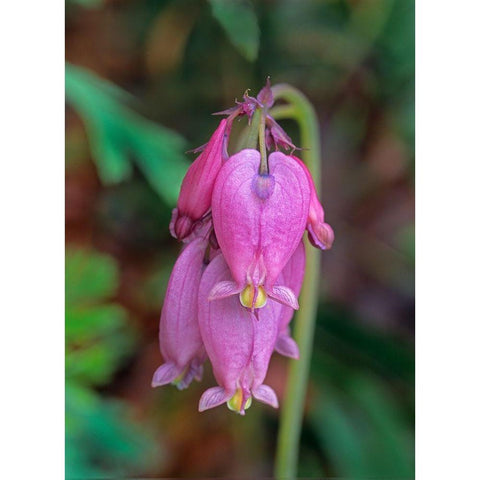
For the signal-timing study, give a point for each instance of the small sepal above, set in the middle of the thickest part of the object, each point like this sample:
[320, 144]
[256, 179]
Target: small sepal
[266, 394]
[213, 397]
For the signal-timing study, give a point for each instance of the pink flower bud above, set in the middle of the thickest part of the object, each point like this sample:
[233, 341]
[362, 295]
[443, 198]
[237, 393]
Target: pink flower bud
[265, 95]
[238, 343]
[259, 221]
[195, 196]
[180, 341]
[320, 233]
[292, 277]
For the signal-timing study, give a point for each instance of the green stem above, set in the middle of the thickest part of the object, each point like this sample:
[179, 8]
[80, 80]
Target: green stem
[249, 137]
[263, 148]
[291, 417]
[283, 111]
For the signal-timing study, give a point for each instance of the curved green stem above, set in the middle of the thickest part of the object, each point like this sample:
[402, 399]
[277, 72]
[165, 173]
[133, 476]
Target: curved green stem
[283, 111]
[301, 110]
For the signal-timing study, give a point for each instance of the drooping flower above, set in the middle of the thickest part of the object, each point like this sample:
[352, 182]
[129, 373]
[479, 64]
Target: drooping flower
[320, 233]
[243, 220]
[180, 340]
[195, 196]
[238, 343]
[292, 277]
[259, 220]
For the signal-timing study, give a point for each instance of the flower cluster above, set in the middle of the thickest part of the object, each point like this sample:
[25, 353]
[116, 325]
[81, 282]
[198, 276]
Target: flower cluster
[234, 288]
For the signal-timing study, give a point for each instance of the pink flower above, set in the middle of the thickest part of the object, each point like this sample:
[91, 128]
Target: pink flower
[259, 221]
[180, 341]
[238, 344]
[242, 219]
[320, 233]
[195, 196]
[292, 276]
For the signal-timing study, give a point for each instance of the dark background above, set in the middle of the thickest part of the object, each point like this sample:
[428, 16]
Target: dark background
[142, 80]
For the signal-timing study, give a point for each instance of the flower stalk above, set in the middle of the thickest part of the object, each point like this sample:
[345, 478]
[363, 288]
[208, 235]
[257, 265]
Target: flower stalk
[261, 142]
[234, 288]
[249, 136]
[300, 110]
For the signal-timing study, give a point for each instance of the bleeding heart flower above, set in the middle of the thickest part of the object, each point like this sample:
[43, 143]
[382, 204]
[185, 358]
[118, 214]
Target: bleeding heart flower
[180, 340]
[320, 233]
[238, 343]
[292, 277]
[259, 220]
[195, 196]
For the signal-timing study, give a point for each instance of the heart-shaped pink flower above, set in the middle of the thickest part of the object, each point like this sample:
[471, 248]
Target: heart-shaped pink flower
[238, 343]
[259, 220]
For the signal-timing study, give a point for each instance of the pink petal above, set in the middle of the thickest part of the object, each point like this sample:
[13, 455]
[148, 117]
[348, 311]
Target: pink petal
[320, 233]
[180, 340]
[287, 346]
[284, 295]
[292, 276]
[238, 344]
[294, 271]
[213, 397]
[223, 289]
[266, 394]
[196, 191]
[259, 220]
[165, 374]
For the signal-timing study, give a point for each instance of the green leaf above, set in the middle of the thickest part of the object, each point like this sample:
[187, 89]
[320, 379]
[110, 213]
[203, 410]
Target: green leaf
[389, 435]
[89, 276]
[84, 324]
[95, 364]
[97, 335]
[118, 135]
[363, 432]
[102, 438]
[340, 437]
[239, 21]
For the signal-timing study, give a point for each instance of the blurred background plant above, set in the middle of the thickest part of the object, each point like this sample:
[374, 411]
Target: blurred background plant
[142, 78]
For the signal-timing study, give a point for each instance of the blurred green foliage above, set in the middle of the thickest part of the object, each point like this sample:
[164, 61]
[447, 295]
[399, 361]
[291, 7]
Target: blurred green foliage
[361, 414]
[102, 437]
[238, 19]
[116, 133]
[85, 3]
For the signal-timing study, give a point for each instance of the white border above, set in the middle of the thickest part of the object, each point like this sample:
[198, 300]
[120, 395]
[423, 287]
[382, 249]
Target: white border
[32, 247]
[448, 239]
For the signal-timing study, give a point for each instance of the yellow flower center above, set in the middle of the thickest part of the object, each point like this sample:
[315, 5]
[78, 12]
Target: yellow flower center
[248, 300]
[235, 403]
[178, 379]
